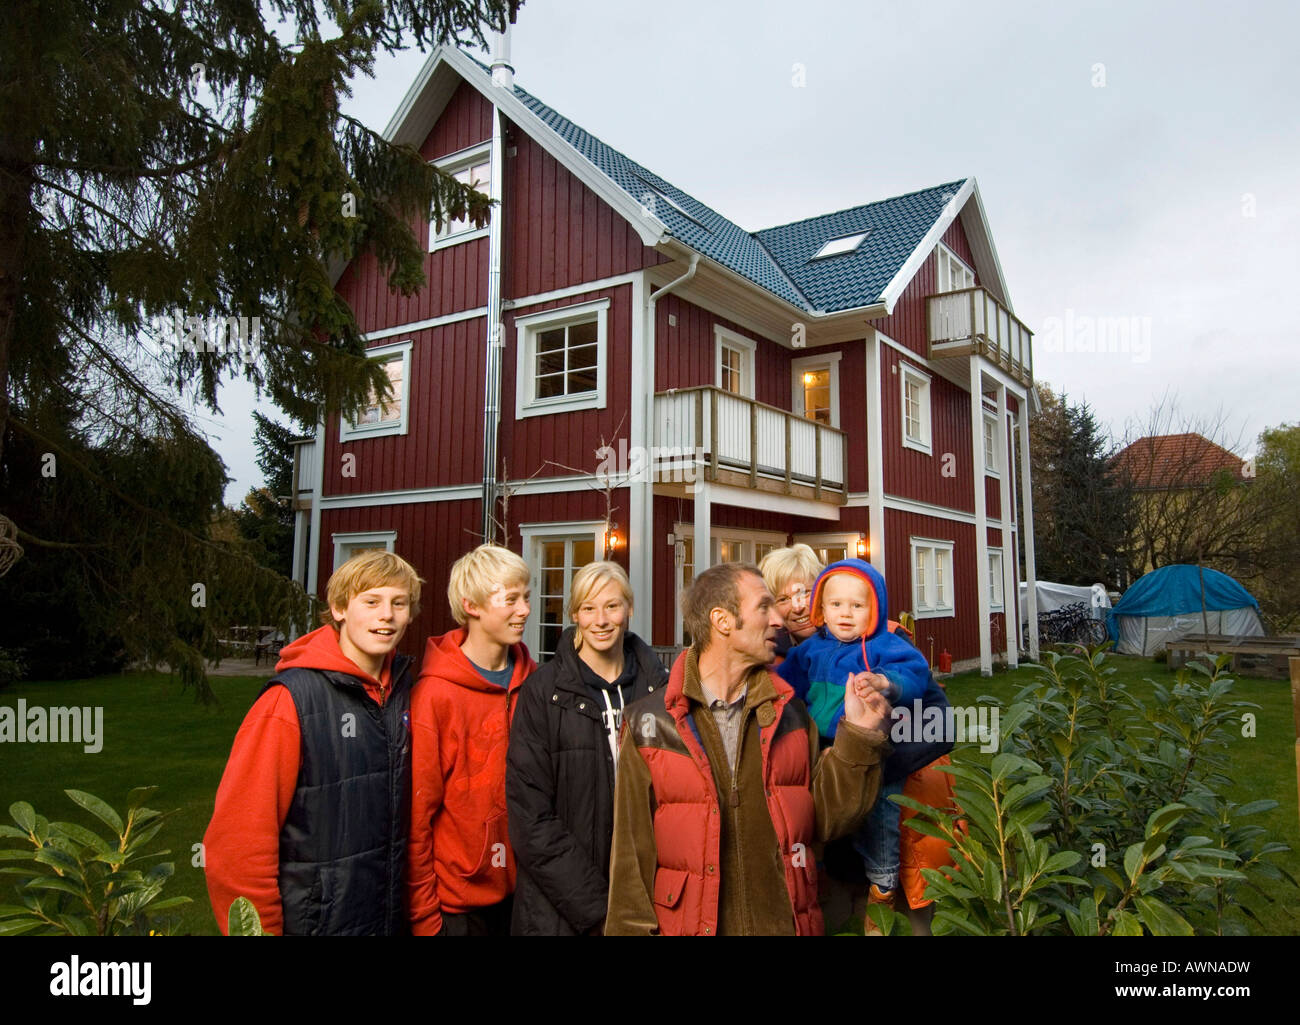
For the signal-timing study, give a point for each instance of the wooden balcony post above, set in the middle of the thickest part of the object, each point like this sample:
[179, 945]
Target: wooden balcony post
[817, 445]
[697, 401]
[753, 444]
[789, 458]
[713, 435]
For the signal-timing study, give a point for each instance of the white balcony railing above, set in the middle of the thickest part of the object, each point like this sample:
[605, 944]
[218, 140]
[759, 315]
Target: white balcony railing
[973, 316]
[742, 436]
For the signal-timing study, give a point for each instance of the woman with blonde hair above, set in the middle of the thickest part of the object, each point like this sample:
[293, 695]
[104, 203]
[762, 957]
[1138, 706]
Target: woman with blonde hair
[790, 574]
[562, 756]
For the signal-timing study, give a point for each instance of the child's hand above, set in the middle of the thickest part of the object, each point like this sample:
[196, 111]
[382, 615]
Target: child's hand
[864, 705]
[866, 682]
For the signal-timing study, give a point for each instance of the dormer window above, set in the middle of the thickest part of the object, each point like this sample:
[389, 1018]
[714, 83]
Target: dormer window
[841, 245]
[953, 274]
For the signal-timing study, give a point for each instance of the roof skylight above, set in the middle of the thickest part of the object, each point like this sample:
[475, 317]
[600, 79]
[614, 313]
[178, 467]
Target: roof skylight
[837, 246]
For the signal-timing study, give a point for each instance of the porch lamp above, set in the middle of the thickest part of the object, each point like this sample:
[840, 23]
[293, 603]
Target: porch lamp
[863, 547]
[610, 541]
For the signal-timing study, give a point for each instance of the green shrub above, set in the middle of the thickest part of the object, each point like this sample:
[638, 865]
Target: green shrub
[1101, 815]
[78, 883]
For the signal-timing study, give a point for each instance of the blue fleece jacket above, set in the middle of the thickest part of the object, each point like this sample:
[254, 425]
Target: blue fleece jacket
[819, 667]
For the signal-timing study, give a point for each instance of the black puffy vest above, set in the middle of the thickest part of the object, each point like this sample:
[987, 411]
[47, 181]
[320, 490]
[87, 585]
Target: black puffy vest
[343, 845]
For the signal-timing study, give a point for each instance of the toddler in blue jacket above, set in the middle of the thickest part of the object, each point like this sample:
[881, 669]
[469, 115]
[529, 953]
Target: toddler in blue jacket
[850, 608]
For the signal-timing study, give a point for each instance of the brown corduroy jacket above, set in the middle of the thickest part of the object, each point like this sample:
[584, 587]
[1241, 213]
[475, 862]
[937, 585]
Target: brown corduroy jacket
[754, 898]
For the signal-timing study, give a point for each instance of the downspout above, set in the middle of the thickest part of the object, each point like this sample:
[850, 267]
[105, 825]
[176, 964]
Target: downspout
[502, 77]
[648, 376]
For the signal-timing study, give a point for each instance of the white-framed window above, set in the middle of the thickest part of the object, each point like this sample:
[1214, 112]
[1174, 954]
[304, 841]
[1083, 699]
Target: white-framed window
[378, 419]
[561, 365]
[995, 580]
[554, 552]
[932, 583]
[815, 388]
[953, 273]
[348, 545]
[991, 444]
[733, 362]
[830, 547]
[470, 167]
[730, 544]
[916, 407]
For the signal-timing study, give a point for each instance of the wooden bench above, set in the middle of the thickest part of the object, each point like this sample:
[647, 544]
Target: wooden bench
[1276, 649]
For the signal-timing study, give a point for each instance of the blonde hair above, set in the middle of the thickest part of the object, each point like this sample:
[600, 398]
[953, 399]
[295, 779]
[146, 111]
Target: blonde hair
[587, 581]
[368, 570]
[477, 574]
[781, 565]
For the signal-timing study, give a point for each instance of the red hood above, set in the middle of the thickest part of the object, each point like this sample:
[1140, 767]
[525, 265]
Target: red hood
[320, 650]
[444, 659]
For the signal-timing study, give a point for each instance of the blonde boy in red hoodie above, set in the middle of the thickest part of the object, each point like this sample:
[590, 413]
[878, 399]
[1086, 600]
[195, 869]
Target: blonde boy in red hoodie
[312, 812]
[460, 868]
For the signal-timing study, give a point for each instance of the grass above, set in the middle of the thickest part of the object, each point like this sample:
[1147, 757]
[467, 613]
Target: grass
[1262, 766]
[156, 734]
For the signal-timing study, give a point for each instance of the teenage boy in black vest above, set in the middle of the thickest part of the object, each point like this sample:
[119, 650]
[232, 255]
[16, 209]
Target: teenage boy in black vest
[312, 813]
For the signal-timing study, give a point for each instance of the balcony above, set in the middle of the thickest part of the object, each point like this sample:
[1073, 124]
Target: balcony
[970, 321]
[744, 443]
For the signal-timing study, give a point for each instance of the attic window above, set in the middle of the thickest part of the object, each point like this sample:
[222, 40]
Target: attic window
[837, 246]
[653, 194]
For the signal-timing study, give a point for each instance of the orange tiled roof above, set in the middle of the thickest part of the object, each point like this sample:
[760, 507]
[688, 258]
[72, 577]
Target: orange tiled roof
[1175, 460]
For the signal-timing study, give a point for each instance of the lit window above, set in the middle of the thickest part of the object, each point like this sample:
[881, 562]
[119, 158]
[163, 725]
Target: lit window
[815, 388]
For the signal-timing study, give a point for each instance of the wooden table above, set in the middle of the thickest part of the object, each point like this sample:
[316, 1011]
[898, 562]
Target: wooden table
[1277, 649]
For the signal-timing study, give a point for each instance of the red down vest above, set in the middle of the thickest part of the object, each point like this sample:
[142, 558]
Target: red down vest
[688, 813]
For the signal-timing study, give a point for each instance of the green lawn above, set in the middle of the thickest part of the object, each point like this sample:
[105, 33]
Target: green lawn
[155, 734]
[1262, 766]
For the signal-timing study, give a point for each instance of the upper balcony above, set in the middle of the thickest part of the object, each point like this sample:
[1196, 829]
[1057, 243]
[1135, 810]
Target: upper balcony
[729, 439]
[971, 321]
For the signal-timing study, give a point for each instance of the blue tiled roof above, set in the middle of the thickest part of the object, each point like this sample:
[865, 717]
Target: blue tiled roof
[777, 259]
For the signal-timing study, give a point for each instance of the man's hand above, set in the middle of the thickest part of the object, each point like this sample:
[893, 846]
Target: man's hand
[865, 704]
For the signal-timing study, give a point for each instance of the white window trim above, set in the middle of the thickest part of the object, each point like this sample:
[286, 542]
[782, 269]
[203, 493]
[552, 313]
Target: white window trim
[849, 541]
[940, 251]
[921, 610]
[527, 328]
[348, 431]
[991, 454]
[997, 602]
[530, 534]
[452, 163]
[748, 538]
[829, 360]
[746, 346]
[922, 378]
[387, 537]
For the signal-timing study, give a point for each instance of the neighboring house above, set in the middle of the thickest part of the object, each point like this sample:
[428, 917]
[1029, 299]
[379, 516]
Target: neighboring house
[808, 382]
[1187, 504]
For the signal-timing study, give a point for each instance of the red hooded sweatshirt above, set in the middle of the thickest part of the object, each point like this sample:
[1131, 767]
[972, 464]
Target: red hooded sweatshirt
[459, 856]
[241, 848]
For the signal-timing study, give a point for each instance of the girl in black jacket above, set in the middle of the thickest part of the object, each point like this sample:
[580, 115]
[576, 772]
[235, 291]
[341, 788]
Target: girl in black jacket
[562, 754]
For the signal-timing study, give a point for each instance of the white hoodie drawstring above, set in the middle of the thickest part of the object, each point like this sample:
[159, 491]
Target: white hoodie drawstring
[612, 722]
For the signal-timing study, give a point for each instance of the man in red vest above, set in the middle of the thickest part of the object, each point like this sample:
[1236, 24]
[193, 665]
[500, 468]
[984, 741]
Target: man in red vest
[721, 790]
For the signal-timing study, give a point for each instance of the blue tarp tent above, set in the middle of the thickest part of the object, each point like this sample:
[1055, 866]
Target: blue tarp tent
[1165, 605]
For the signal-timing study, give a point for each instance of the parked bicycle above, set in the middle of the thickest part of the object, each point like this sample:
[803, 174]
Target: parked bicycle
[1070, 624]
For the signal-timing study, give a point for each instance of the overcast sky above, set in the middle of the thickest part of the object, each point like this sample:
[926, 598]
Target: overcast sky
[1136, 161]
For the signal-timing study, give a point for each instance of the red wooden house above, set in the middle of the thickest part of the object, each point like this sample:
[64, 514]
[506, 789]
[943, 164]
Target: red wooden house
[726, 392]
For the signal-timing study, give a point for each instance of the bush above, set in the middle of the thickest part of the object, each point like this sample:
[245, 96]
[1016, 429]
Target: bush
[78, 883]
[1101, 815]
[12, 668]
